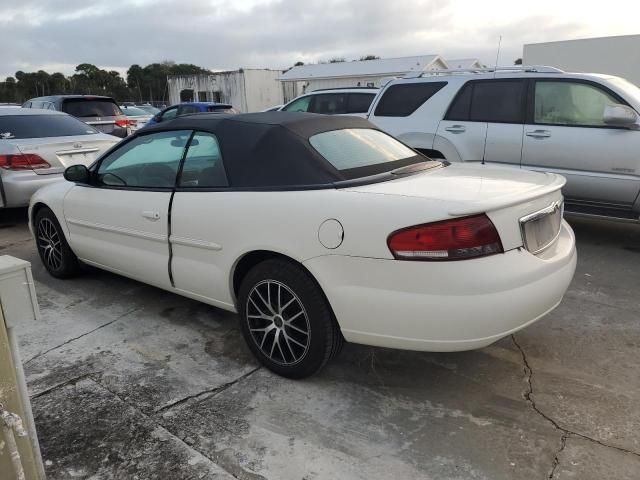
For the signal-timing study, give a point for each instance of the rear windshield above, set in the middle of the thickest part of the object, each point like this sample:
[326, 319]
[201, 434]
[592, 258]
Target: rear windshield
[354, 148]
[96, 107]
[41, 126]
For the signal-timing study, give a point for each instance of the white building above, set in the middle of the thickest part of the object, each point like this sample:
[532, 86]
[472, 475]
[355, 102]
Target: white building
[362, 73]
[613, 55]
[465, 63]
[248, 90]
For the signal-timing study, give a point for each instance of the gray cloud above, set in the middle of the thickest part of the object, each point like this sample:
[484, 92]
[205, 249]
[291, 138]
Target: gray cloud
[220, 34]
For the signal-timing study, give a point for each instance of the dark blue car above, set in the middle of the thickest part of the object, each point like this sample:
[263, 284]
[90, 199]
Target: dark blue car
[189, 107]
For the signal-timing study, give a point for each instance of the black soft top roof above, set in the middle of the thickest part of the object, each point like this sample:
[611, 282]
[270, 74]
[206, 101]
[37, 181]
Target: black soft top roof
[272, 149]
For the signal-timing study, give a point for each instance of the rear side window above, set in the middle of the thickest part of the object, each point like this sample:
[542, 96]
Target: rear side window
[498, 101]
[359, 102]
[402, 100]
[96, 107]
[329, 103]
[42, 126]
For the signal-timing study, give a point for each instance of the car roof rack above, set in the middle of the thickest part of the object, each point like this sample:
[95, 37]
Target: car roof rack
[343, 88]
[509, 69]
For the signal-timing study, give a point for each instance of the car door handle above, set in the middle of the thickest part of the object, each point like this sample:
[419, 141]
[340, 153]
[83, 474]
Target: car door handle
[151, 215]
[539, 134]
[456, 128]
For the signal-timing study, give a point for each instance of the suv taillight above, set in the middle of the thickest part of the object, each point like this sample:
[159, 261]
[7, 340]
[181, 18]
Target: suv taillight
[456, 239]
[24, 161]
[123, 122]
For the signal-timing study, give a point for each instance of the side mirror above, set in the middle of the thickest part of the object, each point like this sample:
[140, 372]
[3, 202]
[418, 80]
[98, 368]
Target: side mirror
[77, 174]
[621, 116]
[156, 118]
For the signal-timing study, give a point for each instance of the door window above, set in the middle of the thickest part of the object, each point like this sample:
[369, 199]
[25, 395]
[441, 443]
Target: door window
[186, 109]
[329, 103]
[299, 105]
[203, 165]
[148, 161]
[569, 103]
[359, 102]
[169, 114]
[491, 101]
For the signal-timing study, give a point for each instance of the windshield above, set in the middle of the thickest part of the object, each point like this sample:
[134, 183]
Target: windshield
[40, 126]
[361, 147]
[629, 89]
[134, 112]
[96, 107]
[148, 108]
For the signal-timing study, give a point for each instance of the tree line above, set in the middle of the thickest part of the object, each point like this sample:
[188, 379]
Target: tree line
[142, 84]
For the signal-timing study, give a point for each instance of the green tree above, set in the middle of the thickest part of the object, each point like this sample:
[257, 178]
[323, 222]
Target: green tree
[370, 57]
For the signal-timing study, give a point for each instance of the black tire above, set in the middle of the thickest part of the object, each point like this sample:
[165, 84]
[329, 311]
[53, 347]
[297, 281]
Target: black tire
[55, 253]
[282, 351]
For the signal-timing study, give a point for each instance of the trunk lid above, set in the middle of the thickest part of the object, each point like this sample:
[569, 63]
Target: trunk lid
[62, 152]
[507, 195]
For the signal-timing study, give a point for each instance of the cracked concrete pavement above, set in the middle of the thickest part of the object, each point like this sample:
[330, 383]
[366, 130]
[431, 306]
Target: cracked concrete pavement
[128, 381]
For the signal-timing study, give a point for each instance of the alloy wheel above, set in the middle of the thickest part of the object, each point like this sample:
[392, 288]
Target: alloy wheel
[278, 322]
[49, 243]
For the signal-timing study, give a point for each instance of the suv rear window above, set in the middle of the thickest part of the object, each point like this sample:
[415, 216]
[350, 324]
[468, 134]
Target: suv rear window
[41, 126]
[499, 101]
[91, 107]
[402, 100]
[359, 147]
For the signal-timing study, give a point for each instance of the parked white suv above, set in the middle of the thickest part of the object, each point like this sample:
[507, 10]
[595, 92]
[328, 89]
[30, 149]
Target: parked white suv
[583, 126]
[334, 101]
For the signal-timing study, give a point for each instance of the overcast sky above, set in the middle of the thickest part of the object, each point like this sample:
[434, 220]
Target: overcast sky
[56, 35]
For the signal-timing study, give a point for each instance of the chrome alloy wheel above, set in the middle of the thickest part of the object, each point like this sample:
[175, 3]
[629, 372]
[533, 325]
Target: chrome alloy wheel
[278, 322]
[49, 243]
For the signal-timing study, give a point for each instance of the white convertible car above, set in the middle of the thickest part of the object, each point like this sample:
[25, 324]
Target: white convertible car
[315, 230]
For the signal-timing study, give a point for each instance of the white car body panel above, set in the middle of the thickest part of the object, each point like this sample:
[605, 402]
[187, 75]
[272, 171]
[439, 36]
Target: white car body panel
[436, 306]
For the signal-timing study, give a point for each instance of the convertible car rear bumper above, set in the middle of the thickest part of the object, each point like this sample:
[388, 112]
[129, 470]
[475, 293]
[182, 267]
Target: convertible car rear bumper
[445, 306]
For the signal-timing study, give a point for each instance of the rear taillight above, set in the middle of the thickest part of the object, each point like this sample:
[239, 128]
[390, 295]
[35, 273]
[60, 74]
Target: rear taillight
[455, 239]
[25, 161]
[123, 122]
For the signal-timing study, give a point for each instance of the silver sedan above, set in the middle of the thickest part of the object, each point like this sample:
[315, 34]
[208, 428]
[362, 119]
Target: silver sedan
[37, 145]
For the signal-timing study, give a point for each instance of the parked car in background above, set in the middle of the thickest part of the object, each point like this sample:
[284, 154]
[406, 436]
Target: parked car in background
[137, 116]
[186, 108]
[148, 108]
[102, 113]
[583, 126]
[316, 229]
[37, 145]
[334, 101]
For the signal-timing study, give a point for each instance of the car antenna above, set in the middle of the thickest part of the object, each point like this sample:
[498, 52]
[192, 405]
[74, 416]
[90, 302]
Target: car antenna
[495, 69]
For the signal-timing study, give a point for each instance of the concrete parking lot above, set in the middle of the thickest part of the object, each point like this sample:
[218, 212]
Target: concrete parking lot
[131, 382]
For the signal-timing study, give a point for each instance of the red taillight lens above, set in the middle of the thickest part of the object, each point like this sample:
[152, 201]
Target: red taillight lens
[123, 122]
[455, 239]
[25, 161]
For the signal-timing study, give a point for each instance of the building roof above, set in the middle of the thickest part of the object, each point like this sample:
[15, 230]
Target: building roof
[465, 63]
[364, 68]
